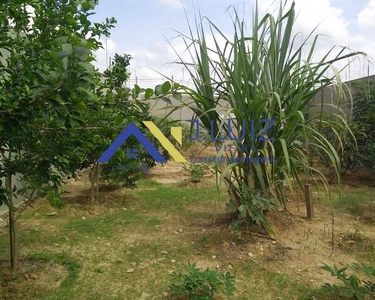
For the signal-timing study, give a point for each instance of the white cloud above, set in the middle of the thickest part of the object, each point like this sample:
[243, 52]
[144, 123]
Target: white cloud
[159, 61]
[334, 28]
[103, 55]
[310, 14]
[366, 18]
[155, 63]
[172, 3]
[150, 65]
[337, 30]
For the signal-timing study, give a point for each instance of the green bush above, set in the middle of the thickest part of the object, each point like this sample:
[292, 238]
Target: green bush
[123, 108]
[196, 172]
[353, 286]
[125, 171]
[198, 285]
[250, 207]
[358, 145]
[362, 125]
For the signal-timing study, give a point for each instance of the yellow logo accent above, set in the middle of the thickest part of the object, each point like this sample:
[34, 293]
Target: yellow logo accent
[176, 133]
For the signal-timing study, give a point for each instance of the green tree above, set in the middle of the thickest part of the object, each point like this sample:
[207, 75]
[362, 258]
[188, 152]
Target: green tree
[47, 81]
[123, 106]
[118, 74]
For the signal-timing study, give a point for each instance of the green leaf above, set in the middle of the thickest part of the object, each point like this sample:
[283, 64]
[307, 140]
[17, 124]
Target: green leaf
[38, 92]
[236, 225]
[85, 94]
[177, 96]
[61, 54]
[82, 53]
[65, 63]
[119, 120]
[158, 90]
[137, 89]
[149, 93]
[80, 105]
[86, 6]
[67, 48]
[89, 68]
[166, 87]
[165, 99]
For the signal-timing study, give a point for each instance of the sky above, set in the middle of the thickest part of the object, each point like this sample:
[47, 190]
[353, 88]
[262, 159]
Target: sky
[147, 28]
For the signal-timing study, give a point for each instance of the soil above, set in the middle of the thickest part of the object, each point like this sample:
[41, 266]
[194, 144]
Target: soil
[36, 274]
[360, 177]
[299, 249]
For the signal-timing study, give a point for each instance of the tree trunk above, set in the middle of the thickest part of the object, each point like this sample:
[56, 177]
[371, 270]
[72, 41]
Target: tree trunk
[94, 182]
[12, 225]
[97, 174]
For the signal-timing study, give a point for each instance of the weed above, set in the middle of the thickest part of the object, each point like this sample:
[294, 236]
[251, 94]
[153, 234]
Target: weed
[54, 198]
[200, 285]
[196, 172]
[359, 203]
[250, 206]
[353, 286]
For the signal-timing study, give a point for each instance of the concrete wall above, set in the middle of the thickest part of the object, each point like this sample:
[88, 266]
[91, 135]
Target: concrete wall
[17, 201]
[161, 108]
[327, 100]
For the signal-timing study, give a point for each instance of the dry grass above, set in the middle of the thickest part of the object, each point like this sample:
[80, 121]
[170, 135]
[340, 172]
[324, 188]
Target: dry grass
[125, 246]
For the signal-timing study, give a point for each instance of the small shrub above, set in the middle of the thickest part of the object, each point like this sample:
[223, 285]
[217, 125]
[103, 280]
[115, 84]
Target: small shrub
[353, 286]
[122, 171]
[198, 285]
[196, 172]
[250, 207]
[54, 198]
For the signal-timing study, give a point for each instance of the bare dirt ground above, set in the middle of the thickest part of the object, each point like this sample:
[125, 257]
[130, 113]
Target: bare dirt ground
[84, 231]
[301, 245]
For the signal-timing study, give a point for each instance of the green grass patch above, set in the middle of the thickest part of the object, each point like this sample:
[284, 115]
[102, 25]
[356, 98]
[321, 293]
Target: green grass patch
[100, 226]
[19, 285]
[131, 252]
[64, 260]
[359, 202]
[265, 284]
[172, 198]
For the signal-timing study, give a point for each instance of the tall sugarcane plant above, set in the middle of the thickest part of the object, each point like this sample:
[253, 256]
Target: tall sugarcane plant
[259, 80]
